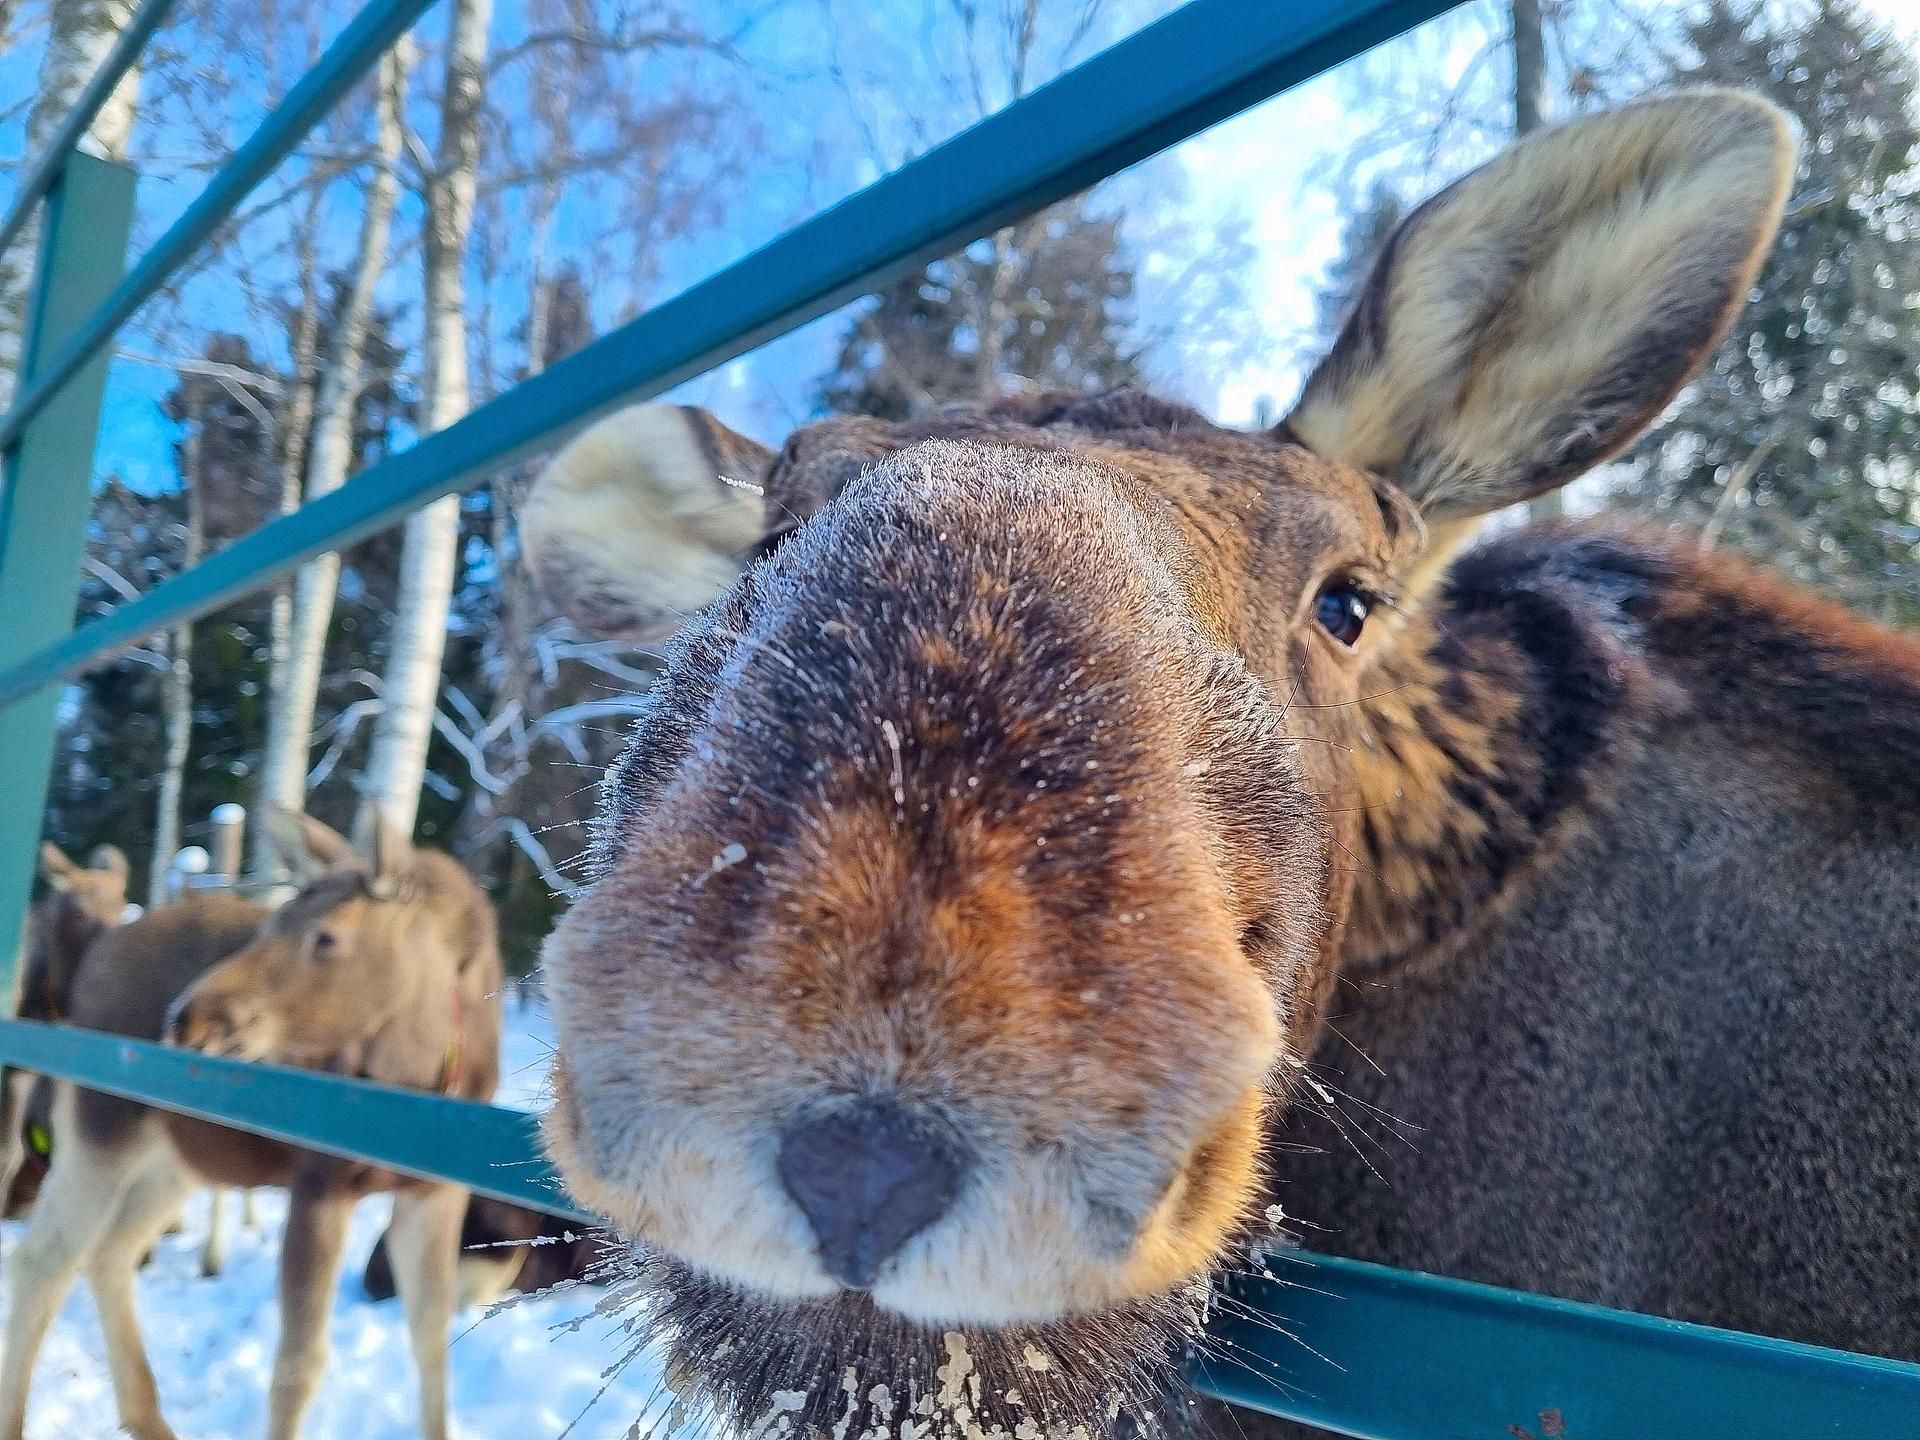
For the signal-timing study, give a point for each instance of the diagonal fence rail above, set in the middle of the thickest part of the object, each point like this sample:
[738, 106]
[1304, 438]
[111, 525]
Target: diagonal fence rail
[1391, 1355]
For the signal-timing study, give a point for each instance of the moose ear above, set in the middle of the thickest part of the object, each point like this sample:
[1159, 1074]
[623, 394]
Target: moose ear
[392, 855]
[56, 867]
[306, 847]
[643, 519]
[1529, 320]
[110, 859]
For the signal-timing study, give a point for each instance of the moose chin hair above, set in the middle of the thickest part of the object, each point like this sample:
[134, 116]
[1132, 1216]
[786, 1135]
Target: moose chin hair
[844, 1368]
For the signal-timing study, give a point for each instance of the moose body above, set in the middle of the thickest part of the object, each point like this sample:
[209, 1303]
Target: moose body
[1673, 1067]
[389, 972]
[1051, 815]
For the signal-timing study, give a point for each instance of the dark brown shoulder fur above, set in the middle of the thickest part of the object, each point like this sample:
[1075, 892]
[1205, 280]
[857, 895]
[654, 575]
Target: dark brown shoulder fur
[1551, 655]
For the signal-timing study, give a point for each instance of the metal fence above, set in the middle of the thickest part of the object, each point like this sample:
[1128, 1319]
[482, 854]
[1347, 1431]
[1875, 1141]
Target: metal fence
[1379, 1352]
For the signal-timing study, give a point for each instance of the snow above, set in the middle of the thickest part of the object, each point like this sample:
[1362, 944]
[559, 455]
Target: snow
[523, 1373]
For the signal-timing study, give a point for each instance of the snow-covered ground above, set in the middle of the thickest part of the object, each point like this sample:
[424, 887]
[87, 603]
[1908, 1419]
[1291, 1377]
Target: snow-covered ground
[525, 1373]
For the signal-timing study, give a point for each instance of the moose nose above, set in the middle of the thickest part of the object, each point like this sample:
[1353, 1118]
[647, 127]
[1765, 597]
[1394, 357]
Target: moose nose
[868, 1178]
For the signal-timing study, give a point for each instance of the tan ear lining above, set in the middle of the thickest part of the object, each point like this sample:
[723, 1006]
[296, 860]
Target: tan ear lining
[306, 847]
[56, 866]
[1527, 322]
[643, 519]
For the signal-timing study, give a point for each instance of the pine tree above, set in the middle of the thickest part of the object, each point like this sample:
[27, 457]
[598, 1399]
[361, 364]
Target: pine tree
[1045, 304]
[1361, 240]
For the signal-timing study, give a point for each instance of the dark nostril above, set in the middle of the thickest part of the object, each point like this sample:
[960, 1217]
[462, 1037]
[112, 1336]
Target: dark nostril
[868, 1178]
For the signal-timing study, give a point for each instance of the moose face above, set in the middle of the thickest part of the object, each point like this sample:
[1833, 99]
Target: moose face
[327, 971]
[81, 903]
[970, 888]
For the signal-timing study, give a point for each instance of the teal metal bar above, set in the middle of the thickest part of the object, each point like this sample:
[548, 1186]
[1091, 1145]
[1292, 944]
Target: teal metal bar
[484, 1147]
[44, 496]
[1396, 1355]
[1206, 61]
[46, 170]
[354, 51]
[1359, 1349]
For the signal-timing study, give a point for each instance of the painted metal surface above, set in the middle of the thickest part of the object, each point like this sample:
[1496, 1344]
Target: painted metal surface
[1356, 1348]
[354, 51]
[1363, 1350]
[1204, 62]
[45, 173]
[44, 499]
[484, 1147]
[1396, 1355]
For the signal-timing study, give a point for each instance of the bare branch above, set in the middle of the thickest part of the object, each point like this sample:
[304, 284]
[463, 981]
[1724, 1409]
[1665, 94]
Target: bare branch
[616, 42]
[102, 571]
[214, 369]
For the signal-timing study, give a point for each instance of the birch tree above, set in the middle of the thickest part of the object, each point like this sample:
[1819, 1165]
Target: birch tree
[411, 681]
[176, 684]
[329, 453]
[79, 35]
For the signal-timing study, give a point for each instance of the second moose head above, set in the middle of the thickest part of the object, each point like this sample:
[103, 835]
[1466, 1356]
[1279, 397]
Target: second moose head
[361, 971]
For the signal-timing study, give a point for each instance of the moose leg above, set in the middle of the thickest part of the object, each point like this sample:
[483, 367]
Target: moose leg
[13, 1150]
[309, 1268]
[142, 1214]
[423, 1244]
[213, 1255]
[77, 1204]
[249, 1211]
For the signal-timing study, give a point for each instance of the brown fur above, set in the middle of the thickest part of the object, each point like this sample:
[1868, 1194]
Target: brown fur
[404, 991]
[1020, 787]
[77, 906]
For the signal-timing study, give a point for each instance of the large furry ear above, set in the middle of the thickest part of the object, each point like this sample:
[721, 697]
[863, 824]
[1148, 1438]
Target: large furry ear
[306, 847]
[111, 859]
[56, 866]
[1532, 318]
[644, 519]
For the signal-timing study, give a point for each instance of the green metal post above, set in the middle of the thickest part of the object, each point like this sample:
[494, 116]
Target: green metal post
[44, 494]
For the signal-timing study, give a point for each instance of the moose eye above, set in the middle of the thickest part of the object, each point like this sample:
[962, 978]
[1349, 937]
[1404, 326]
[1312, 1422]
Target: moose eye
[1342, 610]
[323, 942]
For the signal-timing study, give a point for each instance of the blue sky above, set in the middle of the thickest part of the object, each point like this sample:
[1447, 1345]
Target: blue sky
[834, 92]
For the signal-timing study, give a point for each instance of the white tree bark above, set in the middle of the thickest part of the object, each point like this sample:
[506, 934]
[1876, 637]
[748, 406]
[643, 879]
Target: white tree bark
[176, 687]
[288, 442]
[283, 778]
[79, 35]
[398, 761]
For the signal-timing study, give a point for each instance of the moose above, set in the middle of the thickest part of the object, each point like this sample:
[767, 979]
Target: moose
[1066, 830]
[77, 904]
[385, 969]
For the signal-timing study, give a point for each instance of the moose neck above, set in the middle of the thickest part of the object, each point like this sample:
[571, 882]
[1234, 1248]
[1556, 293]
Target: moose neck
[1493, 721]
[1503, 712]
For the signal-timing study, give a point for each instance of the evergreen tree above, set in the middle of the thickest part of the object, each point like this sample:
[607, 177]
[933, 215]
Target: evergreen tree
[1361, 240]
[1045, 303]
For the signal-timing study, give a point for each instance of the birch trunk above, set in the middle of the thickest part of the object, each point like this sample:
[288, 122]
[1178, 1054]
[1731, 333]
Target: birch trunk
[283, 777]
[176, 689]
[79, 35]
[398, 762]
[295, 420]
